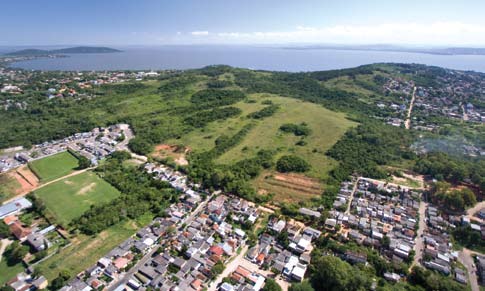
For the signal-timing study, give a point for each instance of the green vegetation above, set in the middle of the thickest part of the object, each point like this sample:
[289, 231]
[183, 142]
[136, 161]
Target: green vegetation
[467, 237]
[55, 166]
[452, 199]
[296, 129]
[8, 186]
[265, 112]
[271, 285]
[85, 250]
[292, 164]
[140, 193]
[69, 198]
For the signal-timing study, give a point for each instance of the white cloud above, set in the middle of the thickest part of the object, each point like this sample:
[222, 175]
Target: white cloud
[200, 33]
[437, 33]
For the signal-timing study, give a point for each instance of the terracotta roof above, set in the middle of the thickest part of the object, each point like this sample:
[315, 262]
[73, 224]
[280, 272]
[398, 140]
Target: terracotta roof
[19, 231]
[10, 219]
[217, 250]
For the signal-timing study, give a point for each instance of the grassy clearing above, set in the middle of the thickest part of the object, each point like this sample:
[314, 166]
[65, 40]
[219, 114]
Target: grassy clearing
[327, 128]
[86, 250]
[71, 197]
[8, 272]
[8, 186]
[203, 139]
[55, 166]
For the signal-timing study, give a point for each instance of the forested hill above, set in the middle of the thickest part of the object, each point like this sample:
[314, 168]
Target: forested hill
[71, 50]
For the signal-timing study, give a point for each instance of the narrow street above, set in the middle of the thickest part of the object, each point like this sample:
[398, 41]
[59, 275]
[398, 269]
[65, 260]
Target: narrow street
[407, 123]
[465, 257]
[347, 211]
[419, 246]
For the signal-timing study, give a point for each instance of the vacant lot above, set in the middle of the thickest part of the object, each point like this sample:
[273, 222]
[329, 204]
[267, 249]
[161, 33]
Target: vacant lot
[55, 166]
[327, 128]
[8, 186]
[69, 198]
[288, 187]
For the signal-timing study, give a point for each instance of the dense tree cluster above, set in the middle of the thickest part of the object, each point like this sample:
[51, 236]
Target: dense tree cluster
[218, 84]
[201, 118]
[301, 129]
[469, 238]
[442, 166]
[292, 163]
[454, 200]
[140, 193]
[265, 112]
[217, 97]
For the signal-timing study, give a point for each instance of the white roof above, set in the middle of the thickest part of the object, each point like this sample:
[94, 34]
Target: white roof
[299, 271]
[148, 241]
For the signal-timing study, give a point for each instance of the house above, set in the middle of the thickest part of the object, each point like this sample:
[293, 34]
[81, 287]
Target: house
[40, 283]
[14, 207]
[309, 212]
[19, 231]
[38, 241]
[355, 258]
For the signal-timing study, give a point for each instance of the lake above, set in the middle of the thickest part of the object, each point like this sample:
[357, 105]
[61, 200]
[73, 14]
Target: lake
[261, 58]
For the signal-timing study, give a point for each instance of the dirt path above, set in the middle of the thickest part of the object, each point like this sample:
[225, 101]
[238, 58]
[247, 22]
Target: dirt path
[231, 267]
[48, 183]
[465, 257]
[347, 211]
[419, 247]
[4, 243]
[407, 123]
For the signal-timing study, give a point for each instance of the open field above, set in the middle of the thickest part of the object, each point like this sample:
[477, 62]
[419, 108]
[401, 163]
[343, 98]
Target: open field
[327, 128]
[8, 186]
[8, 272]
[175, 152]
[86, 250]
[54, 166]
[288, 187]
[71, 197]
[202, 139]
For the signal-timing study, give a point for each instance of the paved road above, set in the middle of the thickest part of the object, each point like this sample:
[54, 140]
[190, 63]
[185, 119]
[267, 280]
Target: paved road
[407, 123]
[465, 257]
[48, 183]
[419, 246]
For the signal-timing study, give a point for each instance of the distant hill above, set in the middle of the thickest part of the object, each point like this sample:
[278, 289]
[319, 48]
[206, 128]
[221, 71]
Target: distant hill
[71, 50]
[392, 48]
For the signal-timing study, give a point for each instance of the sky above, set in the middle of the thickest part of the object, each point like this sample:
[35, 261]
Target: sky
[151, 22]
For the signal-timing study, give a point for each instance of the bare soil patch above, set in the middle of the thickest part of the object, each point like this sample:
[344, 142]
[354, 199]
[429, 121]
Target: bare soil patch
[86, 189]
[288, 187]
[177, 152]
[27, 180]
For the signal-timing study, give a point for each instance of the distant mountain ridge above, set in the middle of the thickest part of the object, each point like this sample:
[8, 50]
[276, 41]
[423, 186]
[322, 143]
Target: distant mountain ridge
[392, 48]
[71, 50]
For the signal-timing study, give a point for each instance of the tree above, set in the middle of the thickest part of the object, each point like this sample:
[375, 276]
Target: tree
[217, 269]
[83, 162]
[331, 273]
[6, 288]
[271, 285]
[16, 253]
[4, 230]
[303, 286]
[61, 280]
[292, 163]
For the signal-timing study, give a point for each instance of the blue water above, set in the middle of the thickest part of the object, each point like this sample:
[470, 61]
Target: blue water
[264, 58]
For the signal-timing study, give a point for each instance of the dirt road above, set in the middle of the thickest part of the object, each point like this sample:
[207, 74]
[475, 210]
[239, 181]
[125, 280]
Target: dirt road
[465, 257]
[419, 246]
[407, 123]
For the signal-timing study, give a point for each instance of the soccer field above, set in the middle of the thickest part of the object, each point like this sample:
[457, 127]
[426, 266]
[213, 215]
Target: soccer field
[71, 197]
[55, 166]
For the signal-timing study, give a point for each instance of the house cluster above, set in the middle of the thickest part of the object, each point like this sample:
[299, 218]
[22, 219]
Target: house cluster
[438, 254]
[457, 96]
[178, 251]
[94, 145]
[25, 282]
[289, 258]
[244, 279]
[381, 216]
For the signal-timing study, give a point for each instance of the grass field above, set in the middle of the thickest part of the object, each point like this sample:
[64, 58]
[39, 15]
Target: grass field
[8, 186]
[55, 166]
[71, 197]
[327, 128]
[87, 250]
[8, 272]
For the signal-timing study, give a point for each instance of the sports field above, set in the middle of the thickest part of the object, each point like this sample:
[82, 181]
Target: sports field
[69, 198]
[55, 166]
